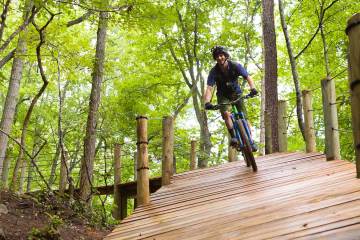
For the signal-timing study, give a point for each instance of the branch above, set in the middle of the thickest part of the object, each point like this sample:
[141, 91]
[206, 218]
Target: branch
[30, 156]
[187, 48]
[3, 18]
[21, 28]
[177, 61]
[80, 19]
[126, 7]
[7, 58]
[37, 96]
[198, 67]
[182, 105]
[322, 14]
[42, 41]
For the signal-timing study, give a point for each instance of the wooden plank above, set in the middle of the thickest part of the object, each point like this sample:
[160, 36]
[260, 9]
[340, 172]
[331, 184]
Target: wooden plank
[339, 232]
[242, 189]
[230, 174]
[266, 214]
[242, 205]
[291, 173]
[295, 195]
[244, 202]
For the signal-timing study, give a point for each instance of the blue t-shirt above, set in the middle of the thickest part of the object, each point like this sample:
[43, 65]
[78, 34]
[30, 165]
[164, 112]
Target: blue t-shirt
[227, 83]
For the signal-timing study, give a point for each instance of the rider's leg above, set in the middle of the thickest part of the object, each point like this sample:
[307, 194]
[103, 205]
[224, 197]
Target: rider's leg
[229, 125]
[227, 118]
[226, 115]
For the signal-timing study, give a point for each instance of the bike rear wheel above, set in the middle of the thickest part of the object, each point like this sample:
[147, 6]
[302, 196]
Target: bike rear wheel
[248, 154]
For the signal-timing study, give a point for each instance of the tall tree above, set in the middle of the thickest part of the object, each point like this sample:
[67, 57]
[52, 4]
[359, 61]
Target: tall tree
[189, 65]
[20, 160]
[294, 71]
[270, 59]
[13, 88]
[87, 164]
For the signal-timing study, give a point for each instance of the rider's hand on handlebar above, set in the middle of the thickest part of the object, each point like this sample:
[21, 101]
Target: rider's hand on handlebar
[208, 106]
[253, 92]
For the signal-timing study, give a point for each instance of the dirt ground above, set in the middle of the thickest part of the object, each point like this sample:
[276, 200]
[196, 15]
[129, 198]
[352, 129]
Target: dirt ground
[43, 217]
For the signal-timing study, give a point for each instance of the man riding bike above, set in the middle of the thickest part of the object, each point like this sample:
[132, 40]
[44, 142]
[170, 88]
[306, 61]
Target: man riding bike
[225, 75]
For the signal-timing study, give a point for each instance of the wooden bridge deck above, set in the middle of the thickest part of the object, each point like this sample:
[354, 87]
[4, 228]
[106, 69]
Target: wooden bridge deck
[292, 196]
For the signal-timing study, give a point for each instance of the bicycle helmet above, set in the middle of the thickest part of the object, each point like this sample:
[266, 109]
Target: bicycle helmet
[218, 50]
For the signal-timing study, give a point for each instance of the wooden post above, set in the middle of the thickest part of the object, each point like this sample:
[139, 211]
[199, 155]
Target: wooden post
[168, 150]
[268, 134]
[353, 32]
[332, 144]
[310, 138]
[120, 206]
[135, 175]
[143, 191]
[193, 155]
[64, 178]
[282, 126]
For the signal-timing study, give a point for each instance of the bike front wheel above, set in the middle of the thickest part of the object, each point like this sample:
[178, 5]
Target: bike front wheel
[247, 151]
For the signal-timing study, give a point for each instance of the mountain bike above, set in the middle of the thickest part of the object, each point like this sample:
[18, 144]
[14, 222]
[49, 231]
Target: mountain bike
[242, 131]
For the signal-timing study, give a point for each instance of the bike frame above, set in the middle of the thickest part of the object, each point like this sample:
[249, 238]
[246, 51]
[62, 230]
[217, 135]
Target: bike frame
[236, 115]
[242, 132]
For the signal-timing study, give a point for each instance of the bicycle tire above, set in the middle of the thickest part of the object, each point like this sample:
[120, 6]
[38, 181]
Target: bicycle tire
[247, 147]
[238, 148]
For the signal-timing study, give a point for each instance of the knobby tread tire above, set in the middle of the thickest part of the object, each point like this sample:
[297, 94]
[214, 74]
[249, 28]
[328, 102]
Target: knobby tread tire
[246, 158]
[247, 147]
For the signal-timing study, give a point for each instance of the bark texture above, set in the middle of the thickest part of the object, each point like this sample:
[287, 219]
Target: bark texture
[270, 58]
[87, 164]
[13, 91]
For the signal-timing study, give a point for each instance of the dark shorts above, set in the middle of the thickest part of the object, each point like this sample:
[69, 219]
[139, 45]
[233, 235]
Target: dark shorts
[227, 108]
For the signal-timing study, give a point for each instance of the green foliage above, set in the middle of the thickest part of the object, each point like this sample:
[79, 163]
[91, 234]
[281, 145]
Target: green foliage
[48, 232]
[142, 78]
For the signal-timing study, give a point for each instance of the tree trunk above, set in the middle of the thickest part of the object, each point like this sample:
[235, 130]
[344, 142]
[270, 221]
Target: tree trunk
[54, 165]
[20, 161]
[270, 58]
[5, 171]
[22, 177]
[262, 113]
[64, 169]
[86, 171]
[323, 38]
[36, 147]
[205, 143]
[190, 69]
[13, 90]
[294, 72]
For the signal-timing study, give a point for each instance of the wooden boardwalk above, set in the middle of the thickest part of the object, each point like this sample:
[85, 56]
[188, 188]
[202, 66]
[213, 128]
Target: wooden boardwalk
[292, 196]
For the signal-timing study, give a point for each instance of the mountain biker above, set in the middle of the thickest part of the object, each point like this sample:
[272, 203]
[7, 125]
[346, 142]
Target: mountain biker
[225, 75]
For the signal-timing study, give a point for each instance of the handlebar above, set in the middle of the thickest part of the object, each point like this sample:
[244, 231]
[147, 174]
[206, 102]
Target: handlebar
[217, 106]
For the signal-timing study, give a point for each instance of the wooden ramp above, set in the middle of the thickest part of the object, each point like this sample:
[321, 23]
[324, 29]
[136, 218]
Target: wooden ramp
[292, 196]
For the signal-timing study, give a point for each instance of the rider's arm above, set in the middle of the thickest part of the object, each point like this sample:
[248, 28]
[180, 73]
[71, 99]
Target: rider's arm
[208, 94]
[250, 82]
[242, 71]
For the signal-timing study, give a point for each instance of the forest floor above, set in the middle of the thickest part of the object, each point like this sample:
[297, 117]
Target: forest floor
[42, 216]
